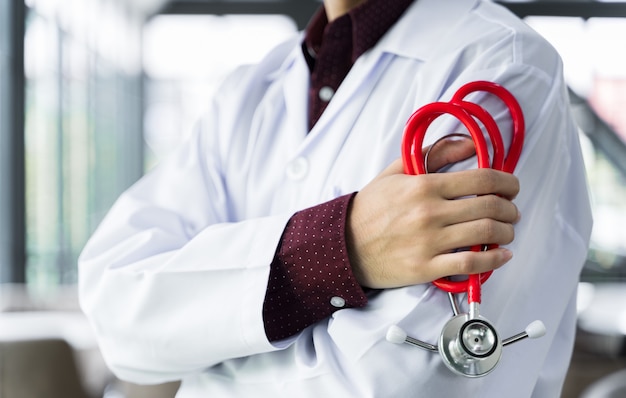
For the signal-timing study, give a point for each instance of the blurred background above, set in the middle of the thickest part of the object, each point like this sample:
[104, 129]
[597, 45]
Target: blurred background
[93, 93]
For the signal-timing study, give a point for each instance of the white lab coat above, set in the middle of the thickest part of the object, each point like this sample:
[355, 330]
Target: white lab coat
[174, 278]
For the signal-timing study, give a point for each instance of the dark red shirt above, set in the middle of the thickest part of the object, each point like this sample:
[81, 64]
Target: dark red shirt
[311, 276]
[331, 49]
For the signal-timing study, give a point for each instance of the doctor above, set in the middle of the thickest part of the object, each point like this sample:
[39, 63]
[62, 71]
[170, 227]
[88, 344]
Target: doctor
[247, 266]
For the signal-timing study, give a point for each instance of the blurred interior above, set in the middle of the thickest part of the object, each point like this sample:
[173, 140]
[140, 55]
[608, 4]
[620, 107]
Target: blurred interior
[93, 93]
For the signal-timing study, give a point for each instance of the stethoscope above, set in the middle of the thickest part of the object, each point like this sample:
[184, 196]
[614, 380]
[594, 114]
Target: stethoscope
[469, 344]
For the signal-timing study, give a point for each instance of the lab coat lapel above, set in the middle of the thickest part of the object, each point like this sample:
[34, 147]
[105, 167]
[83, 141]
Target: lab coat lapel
[349, 100]
[295, 89]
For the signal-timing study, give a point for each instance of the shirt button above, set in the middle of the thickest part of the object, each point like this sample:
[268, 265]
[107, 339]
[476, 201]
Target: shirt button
[298, 168]
[326, 93]
[337, 302]
[311, 52]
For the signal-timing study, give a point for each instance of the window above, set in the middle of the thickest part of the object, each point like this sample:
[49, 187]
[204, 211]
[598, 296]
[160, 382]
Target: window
[82, 127]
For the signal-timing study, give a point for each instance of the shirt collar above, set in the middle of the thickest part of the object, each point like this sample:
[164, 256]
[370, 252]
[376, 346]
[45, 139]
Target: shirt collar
[370, 21]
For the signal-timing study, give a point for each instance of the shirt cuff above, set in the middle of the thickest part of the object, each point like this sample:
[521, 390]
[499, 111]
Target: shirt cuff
[310, 276]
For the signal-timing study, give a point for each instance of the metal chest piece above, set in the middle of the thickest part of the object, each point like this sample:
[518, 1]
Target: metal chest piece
[469, 344]
[469, 347]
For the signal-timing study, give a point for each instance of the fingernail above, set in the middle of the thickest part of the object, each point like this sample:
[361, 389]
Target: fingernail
[519, 216]
[506, 255]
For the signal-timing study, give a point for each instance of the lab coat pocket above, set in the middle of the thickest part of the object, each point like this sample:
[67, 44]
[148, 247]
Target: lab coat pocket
[356, 330]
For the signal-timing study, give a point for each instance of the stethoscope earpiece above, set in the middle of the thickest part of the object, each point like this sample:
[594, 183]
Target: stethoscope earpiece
[469, 344]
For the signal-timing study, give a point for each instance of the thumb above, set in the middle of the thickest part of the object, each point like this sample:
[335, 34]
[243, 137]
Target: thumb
[448, 150]
[394, 168]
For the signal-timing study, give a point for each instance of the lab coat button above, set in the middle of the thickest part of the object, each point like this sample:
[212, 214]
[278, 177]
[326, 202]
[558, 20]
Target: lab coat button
[337, 302]
[326, 93]
[298, 168]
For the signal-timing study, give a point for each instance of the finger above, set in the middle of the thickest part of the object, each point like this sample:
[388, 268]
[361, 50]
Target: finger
[468, 262]
[443, 152]
[472, 233]
[396, 167]
[476, 182]
[447, 151]
[479, 207]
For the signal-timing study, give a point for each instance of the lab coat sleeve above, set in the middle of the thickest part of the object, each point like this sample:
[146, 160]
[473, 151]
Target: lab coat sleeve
[170, 284]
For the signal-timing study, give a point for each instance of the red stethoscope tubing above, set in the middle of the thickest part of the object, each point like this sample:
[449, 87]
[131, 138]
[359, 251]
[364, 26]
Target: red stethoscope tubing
[467, 113]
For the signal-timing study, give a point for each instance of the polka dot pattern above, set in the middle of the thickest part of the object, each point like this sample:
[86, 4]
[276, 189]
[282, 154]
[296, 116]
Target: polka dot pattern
[332, 48]
[310, 274]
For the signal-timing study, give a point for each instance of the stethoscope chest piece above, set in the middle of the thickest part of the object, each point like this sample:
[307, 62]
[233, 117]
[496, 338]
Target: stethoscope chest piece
[469, 347]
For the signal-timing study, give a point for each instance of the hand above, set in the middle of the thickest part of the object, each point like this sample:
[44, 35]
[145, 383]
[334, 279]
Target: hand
[402, 230]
